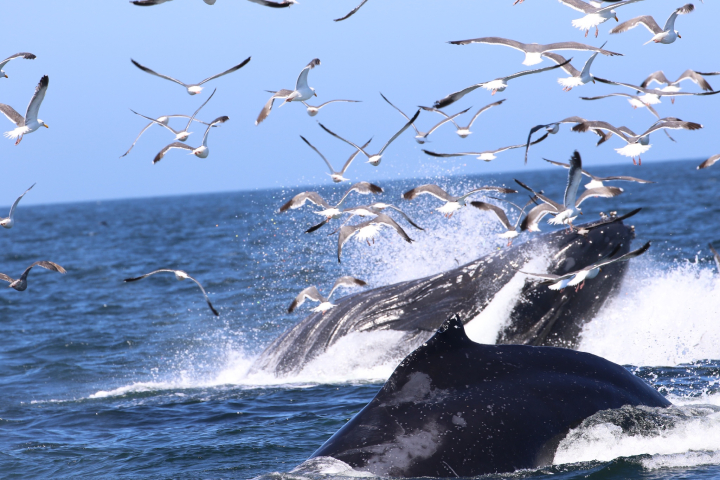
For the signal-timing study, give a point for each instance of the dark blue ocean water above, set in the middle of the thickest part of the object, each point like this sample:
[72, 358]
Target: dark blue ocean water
[105, 379]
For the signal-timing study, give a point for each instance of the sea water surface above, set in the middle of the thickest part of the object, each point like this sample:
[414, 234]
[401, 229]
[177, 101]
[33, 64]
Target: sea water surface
[103, 379]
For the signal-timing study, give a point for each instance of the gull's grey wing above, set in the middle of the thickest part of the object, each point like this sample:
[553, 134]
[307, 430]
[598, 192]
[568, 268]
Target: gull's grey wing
[579, 5]
[673, 125]
[444, 155]
[321, 155]
[299, 200]
[134, 279]
[268, 106]
[199, 108]
[12, 209]
[386, 220]
[302, 78]
[233, 69]
[346, 281]
[341, 138]
[267, 3]
[670, 23]
[618, 178]
[624, 258]
[352, 157]
[573, 182]
[532, 220]
[556, 206]
[695, 77]
[523, 47]
[351, 13]
[46, 264]
[152, 120]
[401, 112]
[715, 256]
[486, 189]
[605, 192]
[25, 55]
[486, 107]
[445, 120]
[207, 299]
[6, 278]
[169, 147]
[578, 46]
[499, 212]
[429, 189]
[12, 115]
[138, 137]
[617, 4]
[658, 77]
[537, 70]
[310, 293]
[221, 119]
[406, 217]
[399, 132]
[338, 100]
[549, 276]
[455, 96]
[646, 21]
[346, 233]
[153, 72]
[148, 3]
[709, 162]
[363, 188]
[34, 106]
[599, 125]
[317, 226]
[560, 60]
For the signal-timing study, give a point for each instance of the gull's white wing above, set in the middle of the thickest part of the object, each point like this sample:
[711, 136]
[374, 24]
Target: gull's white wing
[167, 148]
[233, 69]
[351, 13]
[302, 78]
[12, 115]
[310, 293]
[25, 55]
[34, 106]
[670, 23]
[12, 209]
[153, 72]
[346, 281]
[574, 178]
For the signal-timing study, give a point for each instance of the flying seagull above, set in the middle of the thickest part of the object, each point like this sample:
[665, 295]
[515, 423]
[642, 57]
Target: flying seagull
[311, 293]
[149, 3]
[510, 229]
[533, 51]
[463, 132]
[337, 177]
[330, 211]
[194, 88]
[164, 120]
[666, 35]
[578, 277]
[421, 137]
[709, 162]
[452, 203]
[301, 93]
[201, 152]
[497, 85]
[652, 96]
[21, 283]
[374, 159]
[594, 14]
[366, 211]
[597, 182]
[312, 111]
[31, 122]
[486, 156]
[180, 135]
[552, 129]
[368, 229]
[9, 221]
[25, 55]
[280, 4]
[697, 77]
[351, 13]
[180, 275]
[576, 77]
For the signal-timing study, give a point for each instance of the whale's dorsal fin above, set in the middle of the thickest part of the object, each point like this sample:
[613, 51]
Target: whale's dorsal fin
[450, 335]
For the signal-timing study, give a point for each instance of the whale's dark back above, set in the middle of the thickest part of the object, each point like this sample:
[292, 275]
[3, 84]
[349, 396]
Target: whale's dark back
[417, 307]
[456, 407]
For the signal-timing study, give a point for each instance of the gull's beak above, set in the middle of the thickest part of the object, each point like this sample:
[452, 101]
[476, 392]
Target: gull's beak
[581, 213]
[315, 94]
[616, 19]
[678, 37]
[593, 80]
[9, 77]
[45, 125]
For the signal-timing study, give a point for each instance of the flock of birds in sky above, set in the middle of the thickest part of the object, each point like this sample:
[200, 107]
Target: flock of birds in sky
[378, 215]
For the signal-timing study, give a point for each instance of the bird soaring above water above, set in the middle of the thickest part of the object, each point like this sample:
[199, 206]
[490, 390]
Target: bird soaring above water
[194, 88]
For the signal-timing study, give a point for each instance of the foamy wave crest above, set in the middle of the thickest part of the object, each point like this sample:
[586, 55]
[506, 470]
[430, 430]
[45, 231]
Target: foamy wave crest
[662, 316]
[673, 436]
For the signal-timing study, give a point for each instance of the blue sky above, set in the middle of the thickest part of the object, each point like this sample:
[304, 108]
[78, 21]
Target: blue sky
[395, 47]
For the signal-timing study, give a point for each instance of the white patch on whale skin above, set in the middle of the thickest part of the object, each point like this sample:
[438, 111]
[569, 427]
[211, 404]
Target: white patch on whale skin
[405, 450]
[327, 466]
[459, 420]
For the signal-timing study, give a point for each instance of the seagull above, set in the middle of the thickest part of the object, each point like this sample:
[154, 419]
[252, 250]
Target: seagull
[486, 156]
[301, 93]
[534, 51]
[421, 137]
[597, 182]
[688, 74]
[160, 120]
[577, 278]
[330, 211]
[21, 283]
[311, 293]
[149, 3]
[715, 256]
[31, 122]
[452, 203]
[352, 12]
[652, 96]
[366, 211]
[666, 35]
[636, 144]
[337, 177]
[180, 275]
[201, 152]
[577, 78]
[552, 129]
[25, 55]
[374, 159]
[9, 221]
[464, 132]
[594, 14]
[368, 229]
[312, 111]
[510, 230]
[280, 4]
[707, 163]
[180, 135]
[497, 85]
[194, 88]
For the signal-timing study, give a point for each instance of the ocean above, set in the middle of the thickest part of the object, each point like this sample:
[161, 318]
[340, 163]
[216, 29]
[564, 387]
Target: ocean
[106, 379]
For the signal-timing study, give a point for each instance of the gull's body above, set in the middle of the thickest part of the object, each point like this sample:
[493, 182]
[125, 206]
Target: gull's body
[312, 293]
[329, 211]
[21, 283]
[665, 35]
[464, 132]
[367, 230]
[534, 51]
[598, 182]
[25, 55]
[452, 203]
[312, 111]
[337, 176]
[578, 277]
[195, 88]
[179, 275]
[374, 159]
[301, 93]
[594, 14]
[201, 152]
[576, 77]
[30, 122]
[9, 221]
[494, 86]
[421, 137]
[164, 120]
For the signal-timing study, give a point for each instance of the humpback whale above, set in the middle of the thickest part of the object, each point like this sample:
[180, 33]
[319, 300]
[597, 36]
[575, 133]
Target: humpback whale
[416, 308]
[454, 408]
